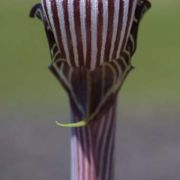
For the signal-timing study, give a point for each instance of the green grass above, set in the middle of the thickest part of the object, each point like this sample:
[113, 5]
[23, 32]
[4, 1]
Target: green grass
[157, 59]
[26, 81]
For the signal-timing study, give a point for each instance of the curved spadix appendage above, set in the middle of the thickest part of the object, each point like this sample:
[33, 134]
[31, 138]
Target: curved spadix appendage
[82, 123]
[94, 67]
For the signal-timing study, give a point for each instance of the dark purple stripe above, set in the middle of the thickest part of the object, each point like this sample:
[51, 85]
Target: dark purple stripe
[88, 33]
[57, 27]
[119, 32]
[100, 30]
[96, 89]
[68, 32]
[110, 30]
[77, 17]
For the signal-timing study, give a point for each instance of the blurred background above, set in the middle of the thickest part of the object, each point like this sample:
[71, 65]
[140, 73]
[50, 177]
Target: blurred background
[32, 147]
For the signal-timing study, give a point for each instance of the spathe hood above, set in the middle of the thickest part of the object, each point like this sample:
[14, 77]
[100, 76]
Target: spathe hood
[91, 91]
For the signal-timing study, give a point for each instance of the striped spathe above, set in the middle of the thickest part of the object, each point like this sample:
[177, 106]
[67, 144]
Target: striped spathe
[85, 87]
[86, 34]
[90, 32]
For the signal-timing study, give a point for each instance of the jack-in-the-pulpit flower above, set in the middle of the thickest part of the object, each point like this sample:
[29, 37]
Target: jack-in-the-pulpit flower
[91, 44]
[94, 37]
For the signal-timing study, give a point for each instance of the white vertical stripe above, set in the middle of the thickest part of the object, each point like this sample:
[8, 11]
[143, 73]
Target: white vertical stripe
[74, 152]
[92, 164]
[72, 158]
[132, 18]
[105, 29]
[110, 152]
[76, 159]
[74, 168]
[44, 10]
[94, 14]
[83, 27]
[50, 15]
[63, 30]
[124, 24]
[115, 27]
[109, 156]
[86, 166]
[80, 156]
[72, 30]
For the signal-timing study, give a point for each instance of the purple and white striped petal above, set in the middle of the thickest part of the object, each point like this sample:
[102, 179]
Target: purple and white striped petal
[90, 32]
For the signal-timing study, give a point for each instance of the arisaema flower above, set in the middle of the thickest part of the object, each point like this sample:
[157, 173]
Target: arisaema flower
[91, 44]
